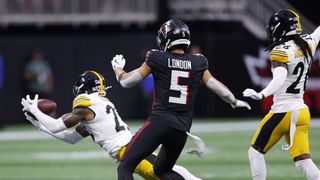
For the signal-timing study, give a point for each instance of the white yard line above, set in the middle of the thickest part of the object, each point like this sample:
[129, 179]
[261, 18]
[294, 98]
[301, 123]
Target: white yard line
[234, 126]
[72, 155]
[196, 127]
[23, 135]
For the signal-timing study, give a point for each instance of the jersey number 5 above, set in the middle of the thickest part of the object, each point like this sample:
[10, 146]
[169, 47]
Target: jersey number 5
[175, 86]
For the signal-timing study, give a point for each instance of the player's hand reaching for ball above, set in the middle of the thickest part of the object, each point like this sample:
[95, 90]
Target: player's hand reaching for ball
[31, 118]
[35, 122]
[118, 61]
[30, 105]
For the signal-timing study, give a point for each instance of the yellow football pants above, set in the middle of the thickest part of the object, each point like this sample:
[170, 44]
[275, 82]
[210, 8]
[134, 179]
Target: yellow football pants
[144, 168]
[275, 125]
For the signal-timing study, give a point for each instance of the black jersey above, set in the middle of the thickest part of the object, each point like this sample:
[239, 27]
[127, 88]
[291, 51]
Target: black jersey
[177, 78]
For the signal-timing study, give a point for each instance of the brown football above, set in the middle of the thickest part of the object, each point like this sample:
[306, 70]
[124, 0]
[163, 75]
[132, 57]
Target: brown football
[47, 106]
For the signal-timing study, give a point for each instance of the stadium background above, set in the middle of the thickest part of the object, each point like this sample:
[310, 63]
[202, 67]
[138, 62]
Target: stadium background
[77, 35]
[224, 30]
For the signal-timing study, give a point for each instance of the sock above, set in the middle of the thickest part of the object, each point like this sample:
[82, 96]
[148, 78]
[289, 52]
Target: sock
[308, 169]
[184, 173]
[257, 164]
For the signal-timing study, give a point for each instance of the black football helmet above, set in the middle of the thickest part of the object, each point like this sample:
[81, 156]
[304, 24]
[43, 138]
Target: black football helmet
[173, 33]
[283, 23]
[89, 82]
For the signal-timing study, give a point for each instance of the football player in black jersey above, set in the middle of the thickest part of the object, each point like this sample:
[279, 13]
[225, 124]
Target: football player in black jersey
[177, 77]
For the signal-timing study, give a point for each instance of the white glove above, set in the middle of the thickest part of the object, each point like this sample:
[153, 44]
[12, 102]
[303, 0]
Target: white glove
[240, 104]
[253, 94]
[118, 61]
[30, 105]
[32, 120]
[35, 122]
[201, 146]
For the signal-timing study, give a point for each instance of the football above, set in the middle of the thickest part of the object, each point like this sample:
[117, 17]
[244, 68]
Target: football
[47, 106]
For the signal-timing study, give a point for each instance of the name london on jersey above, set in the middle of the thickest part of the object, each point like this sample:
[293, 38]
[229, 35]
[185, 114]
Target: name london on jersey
[180, 64]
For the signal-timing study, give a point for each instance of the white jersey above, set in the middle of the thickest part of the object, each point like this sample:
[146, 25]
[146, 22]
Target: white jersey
[290, 96]
[107, 128]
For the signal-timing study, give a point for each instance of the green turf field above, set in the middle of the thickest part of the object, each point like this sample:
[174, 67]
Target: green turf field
[226, 158]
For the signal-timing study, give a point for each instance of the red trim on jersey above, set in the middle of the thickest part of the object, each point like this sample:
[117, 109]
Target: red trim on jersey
[153, 98]
[135, 137]
[187, 98]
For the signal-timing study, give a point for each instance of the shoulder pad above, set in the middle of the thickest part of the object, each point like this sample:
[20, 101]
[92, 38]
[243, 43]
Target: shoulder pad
[81, 101]
[279, 55]
[150, 56]
[151, 51]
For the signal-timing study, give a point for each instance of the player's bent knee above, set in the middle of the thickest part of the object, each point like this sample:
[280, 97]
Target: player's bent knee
[145, 170]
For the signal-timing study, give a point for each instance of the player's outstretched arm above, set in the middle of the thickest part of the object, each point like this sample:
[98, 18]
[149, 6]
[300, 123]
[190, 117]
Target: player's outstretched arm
[279, 76]
[52, 124]
[131, 78]
[31, 107]
[67, 136]
[222, 91]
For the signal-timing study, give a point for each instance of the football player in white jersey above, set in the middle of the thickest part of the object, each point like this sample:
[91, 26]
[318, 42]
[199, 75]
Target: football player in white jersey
[291, 57]
[93, 114]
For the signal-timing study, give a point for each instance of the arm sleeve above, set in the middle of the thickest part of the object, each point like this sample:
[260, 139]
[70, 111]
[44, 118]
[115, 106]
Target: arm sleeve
[135, 77]
[53, 125]
[222, 91]
[132, 80]
[70, 137]
[279, 76]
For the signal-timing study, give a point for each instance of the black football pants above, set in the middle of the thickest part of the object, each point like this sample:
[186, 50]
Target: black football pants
[145, 142]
